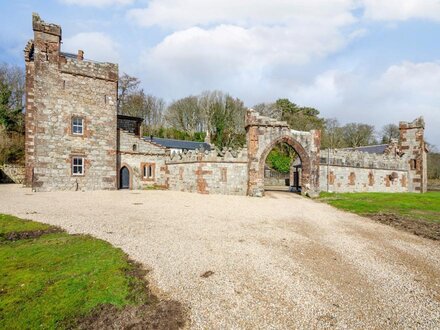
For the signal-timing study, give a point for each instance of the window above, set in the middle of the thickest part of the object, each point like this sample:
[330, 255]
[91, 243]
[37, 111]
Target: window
[148, 171]
[134, 147]
[77, 125]
[77, 166]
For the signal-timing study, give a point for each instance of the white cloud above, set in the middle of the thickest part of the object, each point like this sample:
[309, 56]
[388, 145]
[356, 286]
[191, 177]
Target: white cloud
[402, 92]
[187, 13]
[260, 50]
[97, 3]
[223, 44]
[96, 46]
[401, 10]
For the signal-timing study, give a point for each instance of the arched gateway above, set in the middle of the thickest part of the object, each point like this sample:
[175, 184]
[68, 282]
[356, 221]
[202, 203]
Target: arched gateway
[263, 133]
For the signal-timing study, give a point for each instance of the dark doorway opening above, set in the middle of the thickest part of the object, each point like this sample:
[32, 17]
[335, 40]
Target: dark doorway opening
[124, 178]
[283, 169]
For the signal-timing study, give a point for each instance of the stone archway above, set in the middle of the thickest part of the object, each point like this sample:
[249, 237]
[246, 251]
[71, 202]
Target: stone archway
[297, 147]
[263, 134]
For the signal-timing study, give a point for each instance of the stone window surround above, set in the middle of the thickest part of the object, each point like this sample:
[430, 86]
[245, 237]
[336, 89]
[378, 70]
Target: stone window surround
[72, 157]
[144, 166]
[83, 125]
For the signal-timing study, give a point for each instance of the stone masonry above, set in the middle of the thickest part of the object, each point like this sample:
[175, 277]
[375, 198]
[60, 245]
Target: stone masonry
[209, 172]
[60, 88]
[71, 117]
[263, 134]
[402, 168]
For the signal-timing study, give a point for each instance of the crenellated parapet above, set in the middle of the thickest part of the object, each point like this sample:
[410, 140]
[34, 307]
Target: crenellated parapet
[91, 69]
[226, 155]
[359, 159]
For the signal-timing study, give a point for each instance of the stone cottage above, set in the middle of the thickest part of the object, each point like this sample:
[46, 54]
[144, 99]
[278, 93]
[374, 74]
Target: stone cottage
[75, 140]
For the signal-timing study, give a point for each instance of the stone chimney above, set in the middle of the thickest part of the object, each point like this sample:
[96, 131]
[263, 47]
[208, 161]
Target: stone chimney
[80, 55]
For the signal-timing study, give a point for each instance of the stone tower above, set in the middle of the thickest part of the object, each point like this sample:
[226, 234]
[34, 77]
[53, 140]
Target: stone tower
[70, 116]
[413, 147]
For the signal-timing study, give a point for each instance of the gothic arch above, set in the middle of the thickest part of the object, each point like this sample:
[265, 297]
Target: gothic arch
[299, 149]
[263, 134]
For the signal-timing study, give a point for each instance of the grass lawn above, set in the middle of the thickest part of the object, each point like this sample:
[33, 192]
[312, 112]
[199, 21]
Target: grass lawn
[9, 224]
[50, 281]
[411, 206]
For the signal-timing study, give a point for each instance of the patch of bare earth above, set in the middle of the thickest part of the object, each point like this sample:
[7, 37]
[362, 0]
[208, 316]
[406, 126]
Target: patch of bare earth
[417, 227]
[15, 236]
[160, 315]
[148, 312]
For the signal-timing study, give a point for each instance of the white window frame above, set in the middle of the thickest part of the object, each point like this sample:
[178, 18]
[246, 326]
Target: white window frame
[78, 167]
[77, 125]
[148, 172]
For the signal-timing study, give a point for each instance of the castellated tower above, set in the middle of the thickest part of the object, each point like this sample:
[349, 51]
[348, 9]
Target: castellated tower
[413, 148]
[71, 116]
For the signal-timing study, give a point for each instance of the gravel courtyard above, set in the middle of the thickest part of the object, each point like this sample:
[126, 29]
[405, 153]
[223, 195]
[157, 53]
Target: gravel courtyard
[282, 261]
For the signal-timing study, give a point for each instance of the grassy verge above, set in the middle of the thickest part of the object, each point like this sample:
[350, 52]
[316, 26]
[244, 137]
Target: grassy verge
[9, 224]
[411, 206]
[55, 279]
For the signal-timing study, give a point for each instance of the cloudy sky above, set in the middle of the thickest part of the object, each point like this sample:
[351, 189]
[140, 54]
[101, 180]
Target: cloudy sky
[374, 61]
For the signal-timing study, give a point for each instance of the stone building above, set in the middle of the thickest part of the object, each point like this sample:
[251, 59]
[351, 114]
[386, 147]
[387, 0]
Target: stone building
[75, 140]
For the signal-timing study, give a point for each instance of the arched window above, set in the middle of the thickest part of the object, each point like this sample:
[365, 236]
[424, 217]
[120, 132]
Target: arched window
[134, 147]
[148, 171]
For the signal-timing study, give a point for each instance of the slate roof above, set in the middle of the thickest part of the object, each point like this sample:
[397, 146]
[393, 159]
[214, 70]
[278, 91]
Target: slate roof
[130, 118]
[376, 149]
[178, 144]
[69, 55]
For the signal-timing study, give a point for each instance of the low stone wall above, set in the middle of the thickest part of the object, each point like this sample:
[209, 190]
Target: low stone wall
[352, 179]
[210, 172]
[354, 171]
[10, 173]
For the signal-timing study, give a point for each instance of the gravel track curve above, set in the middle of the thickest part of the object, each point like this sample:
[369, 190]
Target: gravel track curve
[277, 262]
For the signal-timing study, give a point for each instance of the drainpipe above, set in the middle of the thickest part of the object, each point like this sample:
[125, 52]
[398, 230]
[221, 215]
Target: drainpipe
[328, 168]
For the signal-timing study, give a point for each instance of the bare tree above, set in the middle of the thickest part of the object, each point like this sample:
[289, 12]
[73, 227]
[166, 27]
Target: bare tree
[269, 110]
[184, 114]
[390, 132]
[332, 135]
[357, 134]
[126, 85]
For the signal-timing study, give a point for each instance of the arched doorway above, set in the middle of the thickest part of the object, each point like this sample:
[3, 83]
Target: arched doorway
[124, 178]
[282, 169]
[263, 133]
[302, 168]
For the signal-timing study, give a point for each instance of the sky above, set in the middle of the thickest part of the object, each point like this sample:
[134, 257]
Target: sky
[370, 61]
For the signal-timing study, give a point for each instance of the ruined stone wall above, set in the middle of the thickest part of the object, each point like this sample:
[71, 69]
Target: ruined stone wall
[413, 150]
[209, 172]
[64, 88]
[135, 153]
[354, 171]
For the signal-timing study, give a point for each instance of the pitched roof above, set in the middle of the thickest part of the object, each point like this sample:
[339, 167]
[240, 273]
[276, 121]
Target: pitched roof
[178, 144]
[376, 149]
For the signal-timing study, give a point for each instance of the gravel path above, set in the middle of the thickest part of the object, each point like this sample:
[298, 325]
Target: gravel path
[282, 261]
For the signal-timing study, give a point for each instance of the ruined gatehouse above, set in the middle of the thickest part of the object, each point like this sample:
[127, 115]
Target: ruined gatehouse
[75, 140]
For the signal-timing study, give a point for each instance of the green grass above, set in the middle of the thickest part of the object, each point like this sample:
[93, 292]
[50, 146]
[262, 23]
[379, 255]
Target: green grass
[412, 206]
[9, 224]
[50, 281]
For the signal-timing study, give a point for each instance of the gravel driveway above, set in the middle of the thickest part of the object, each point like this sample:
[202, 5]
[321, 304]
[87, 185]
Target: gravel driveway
[282, 261]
